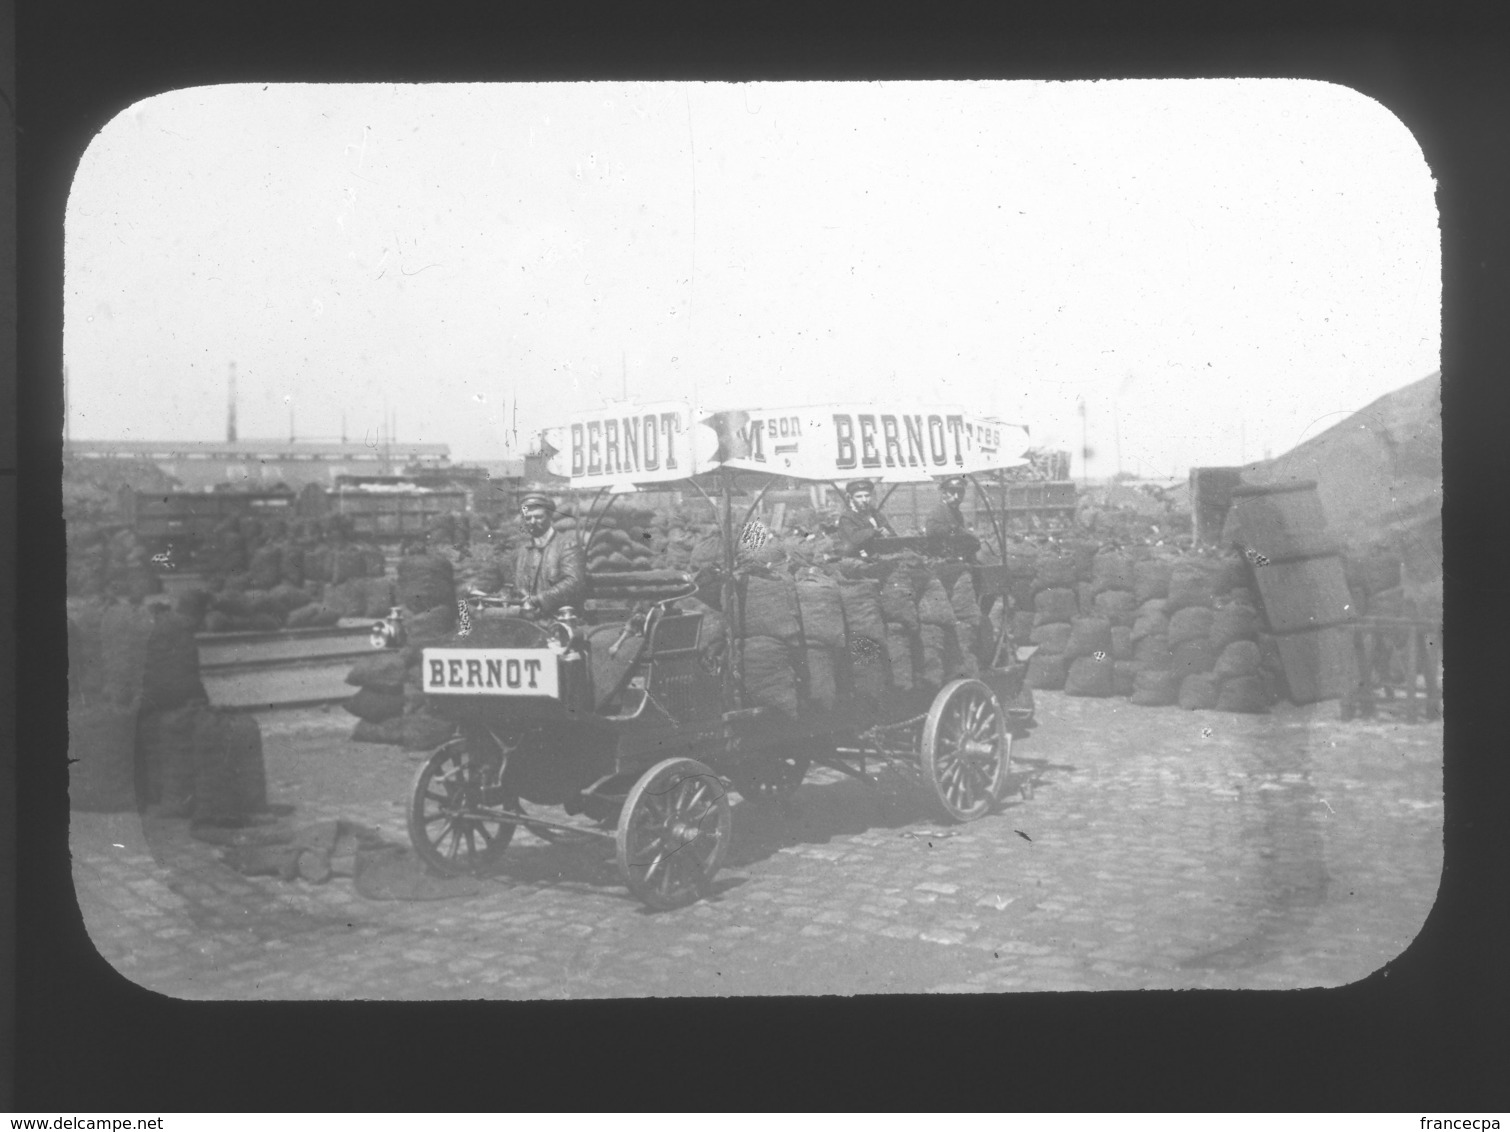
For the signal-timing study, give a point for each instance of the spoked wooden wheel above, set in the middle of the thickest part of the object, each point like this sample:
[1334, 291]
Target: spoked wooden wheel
[673, 832]
[965, 752]
[449, 826]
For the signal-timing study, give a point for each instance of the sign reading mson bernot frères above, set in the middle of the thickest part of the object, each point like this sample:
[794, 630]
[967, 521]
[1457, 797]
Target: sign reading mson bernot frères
[899, 443]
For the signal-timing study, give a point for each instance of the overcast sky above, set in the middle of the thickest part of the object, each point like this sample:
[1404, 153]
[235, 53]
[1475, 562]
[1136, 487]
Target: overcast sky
[1217, 268]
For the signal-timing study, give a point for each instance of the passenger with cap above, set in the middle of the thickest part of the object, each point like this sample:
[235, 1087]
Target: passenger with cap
[862, 523]
[551, 567]
[947, 533]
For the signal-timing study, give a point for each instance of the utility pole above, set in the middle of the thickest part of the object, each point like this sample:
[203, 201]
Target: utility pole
[66, 435]
[1085, 447]
[230, 418]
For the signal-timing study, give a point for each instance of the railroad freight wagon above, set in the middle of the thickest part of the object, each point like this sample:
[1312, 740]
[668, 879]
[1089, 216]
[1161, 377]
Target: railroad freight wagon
[185, 518]
[393, 514]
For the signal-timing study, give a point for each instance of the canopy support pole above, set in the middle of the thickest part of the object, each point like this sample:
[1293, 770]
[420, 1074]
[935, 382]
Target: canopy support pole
[733, 620]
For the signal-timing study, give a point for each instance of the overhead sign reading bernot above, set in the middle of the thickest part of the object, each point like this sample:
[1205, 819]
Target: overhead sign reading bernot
[662, 442]
[895, 443]
[646, 443]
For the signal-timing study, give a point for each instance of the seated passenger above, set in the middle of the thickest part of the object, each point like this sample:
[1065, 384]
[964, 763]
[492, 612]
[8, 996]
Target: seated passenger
[861, 523]
[948, 534]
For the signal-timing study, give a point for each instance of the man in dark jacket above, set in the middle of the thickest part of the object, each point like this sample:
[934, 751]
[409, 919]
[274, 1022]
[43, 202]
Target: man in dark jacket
[862, 522]
[551, 567]
[946, 530]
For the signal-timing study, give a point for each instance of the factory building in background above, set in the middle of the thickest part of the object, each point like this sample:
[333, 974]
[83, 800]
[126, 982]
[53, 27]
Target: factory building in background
[201, 465]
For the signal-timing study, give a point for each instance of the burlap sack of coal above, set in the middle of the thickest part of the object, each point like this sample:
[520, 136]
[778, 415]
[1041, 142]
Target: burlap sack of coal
[865, 672]
[1189, 624]
[230, 781]
[822, 611]
[1243, 694]
[378, 596]
[125, 633]
[769, 680]
[960, 648]
[964, 600]
[1112, 570]
[1148, 625]
[431, 625]
[102, 754]
[1151, 578]
[1189, 585]
[1234, 623]
[375, 706]
[312, 616]
[348, 598]
[317, 563]
[1122, 645]
[165, 748]
[287, 598]
[861, 599]
[170, 676]
[1274, 685]
[265, 567]
[822, 689]
[899, 650]
[1052, 640]
[1047, 673]
[390, 731]
[385, 671]
[1191, 657]
[421, 732]
[192, 604]
[1084, 599]
[1022, 626]
[426, 582]
[934, 607]
[768, 608]
[1055, 605]
[1198, 692]
[1228, 573]
[1117, 606]
[933, 653]
[1238, 658]
[1155, 687]
[1089, 676]
[291, 565]
[1153, 651]
[897, 604]
[346, 562]
[1088, 636]
[1124, 677]
[1054, 570]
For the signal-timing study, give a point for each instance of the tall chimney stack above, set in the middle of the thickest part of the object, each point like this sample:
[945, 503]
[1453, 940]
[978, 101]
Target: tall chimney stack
[230, 413]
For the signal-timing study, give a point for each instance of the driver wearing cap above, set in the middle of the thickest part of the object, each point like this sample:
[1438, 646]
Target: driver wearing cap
[862, 522]
[946, 530]
[551, 567]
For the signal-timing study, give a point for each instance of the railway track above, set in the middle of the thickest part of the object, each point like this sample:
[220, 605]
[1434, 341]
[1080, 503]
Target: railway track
[289, 668]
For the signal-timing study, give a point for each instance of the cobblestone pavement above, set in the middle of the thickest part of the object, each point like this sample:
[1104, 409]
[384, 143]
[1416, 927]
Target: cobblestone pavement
[1150, 848]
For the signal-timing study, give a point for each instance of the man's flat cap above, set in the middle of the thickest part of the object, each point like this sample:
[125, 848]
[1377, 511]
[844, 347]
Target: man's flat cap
[955, 482]
[537, 499]
[859, 485]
